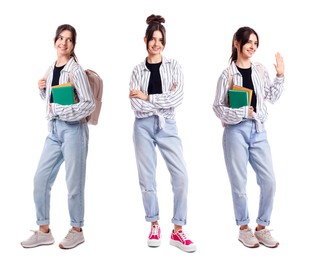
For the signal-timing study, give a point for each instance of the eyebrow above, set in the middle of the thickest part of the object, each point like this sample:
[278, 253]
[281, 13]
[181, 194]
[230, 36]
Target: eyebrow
[160, 38]
[65, 37]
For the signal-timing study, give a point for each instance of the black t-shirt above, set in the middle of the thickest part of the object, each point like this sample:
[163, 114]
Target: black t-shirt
[155, 84]
[247, 82]
[55, 81]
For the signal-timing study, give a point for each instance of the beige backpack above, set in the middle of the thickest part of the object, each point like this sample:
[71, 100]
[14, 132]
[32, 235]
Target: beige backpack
[96, 85]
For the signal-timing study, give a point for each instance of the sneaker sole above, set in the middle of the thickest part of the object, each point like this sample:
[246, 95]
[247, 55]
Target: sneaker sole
[154, 243]
[270, 246]
[73, 246]
[188, 249]
[249, 246]
[36, 245]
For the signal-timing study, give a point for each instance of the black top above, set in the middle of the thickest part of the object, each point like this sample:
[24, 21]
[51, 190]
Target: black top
[56, 76]
[155, 84]
[247, 82]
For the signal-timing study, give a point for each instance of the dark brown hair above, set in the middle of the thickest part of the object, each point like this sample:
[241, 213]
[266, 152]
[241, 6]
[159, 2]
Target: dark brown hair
[67, 27]
[155, 24]
[242, 35]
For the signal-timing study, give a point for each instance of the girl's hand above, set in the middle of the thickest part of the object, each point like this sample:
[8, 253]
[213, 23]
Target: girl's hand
[173, 87]
[279, 66]
[135, 93]
[250, 112]
[42, 84]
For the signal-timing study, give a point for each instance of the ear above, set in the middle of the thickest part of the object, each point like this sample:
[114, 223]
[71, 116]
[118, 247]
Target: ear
[236, 44]
[145, 40]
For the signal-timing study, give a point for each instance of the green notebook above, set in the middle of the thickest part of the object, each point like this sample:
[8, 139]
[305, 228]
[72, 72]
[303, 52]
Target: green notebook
[63, 94]
[244, 89]
[238, 98]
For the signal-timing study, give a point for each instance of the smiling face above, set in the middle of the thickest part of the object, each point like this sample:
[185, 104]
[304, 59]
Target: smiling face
[64, 44]
[250, 47]
[155, 45]
[246, 49]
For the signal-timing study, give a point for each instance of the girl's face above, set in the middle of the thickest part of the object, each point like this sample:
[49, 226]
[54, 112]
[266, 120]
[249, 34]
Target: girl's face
[155, 45]
[64, 44]
[249, 48]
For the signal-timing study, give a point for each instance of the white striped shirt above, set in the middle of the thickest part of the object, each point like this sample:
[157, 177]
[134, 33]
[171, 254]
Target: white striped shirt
[163, 104]
[264, 88]
[74, 112]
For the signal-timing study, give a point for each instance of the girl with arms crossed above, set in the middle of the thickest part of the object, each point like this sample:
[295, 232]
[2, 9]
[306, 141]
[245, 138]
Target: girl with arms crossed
[156, 89]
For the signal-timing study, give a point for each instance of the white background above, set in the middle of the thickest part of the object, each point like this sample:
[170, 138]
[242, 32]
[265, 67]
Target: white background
[110, 41]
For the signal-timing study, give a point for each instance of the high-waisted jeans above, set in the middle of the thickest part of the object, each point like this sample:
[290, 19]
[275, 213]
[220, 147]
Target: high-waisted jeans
[67, 142]
[243, 144]
[147, 136]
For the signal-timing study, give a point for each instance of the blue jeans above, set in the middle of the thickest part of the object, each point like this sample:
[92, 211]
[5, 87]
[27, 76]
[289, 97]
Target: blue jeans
[67, 142]
[147, 136]
[243, 144]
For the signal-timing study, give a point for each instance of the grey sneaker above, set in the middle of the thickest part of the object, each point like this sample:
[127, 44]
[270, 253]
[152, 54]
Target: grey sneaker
[264, 237]
[38, 238]
[247, 238]
[72, 239]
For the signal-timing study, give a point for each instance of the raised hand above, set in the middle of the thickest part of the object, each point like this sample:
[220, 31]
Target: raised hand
[279, 66]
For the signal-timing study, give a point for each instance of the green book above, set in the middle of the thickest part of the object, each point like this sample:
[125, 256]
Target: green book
[63, 94]
[238, 98]
[244, 89]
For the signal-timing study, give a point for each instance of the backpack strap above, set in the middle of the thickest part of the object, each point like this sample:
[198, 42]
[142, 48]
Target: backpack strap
[47, 72]
[261, 70]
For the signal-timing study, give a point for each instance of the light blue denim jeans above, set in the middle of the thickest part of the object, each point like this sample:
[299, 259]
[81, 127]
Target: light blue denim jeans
[243, 144]
[147, 136]
[68, 143]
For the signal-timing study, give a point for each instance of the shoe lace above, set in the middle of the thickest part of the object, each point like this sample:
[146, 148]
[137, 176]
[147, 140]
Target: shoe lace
[266, 233]
[249, 233]
[70, 234]
[34, 235]
[182, 235]
[155, 230]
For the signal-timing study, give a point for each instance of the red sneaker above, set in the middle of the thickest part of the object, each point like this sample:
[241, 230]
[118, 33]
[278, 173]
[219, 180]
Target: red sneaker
[154, 238]
[180, 240]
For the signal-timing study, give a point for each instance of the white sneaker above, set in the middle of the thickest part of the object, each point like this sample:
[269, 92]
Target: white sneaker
[72, 239]
[247, 238]
[264, 237]
[38, 238]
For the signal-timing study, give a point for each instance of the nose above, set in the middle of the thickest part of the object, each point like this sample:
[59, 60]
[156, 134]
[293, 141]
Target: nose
[64, 41]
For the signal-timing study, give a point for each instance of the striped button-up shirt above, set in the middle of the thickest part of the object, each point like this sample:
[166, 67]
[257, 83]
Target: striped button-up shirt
[163, 104]
[264, 88]
[74, 112]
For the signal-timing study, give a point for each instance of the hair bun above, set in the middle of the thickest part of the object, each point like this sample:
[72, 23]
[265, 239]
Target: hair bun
[155, 19]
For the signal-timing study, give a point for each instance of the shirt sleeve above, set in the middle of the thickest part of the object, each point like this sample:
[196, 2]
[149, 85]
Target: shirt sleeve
[220, 106]
[173, 84]
[86, 104]
[266, 90]
[273, 89]
[138, 104]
